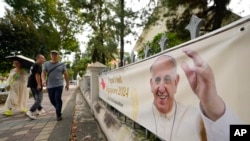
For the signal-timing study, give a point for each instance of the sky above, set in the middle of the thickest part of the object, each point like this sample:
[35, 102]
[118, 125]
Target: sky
[240, 7]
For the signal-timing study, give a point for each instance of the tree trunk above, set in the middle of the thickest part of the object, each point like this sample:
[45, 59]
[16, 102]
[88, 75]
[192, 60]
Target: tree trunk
[122, 34]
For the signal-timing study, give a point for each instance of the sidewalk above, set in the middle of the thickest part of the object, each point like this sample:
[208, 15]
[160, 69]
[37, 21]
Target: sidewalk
[20, 128]
[85, 127]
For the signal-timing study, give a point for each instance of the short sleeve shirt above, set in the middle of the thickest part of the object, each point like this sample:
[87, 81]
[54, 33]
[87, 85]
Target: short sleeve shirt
[55, 77]
[34, 69]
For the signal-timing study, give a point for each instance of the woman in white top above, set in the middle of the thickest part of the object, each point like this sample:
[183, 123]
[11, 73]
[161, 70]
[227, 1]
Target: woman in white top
[18, 91]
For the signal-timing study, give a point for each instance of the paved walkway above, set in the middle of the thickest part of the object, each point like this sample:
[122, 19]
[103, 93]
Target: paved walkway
[20, 128]
[85, 127]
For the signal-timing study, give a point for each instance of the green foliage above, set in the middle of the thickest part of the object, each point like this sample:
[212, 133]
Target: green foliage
[174, 39]
[212, 15]
[102, 40]
[39, 26]
[177, 21]
[54, 20]
[154, 47]
[71, 74]
[18, 33]
[110, 23]
[80, 65]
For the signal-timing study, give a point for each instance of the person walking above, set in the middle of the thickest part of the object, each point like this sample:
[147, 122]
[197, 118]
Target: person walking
[35, 85]
[18, 91]
[52, 77]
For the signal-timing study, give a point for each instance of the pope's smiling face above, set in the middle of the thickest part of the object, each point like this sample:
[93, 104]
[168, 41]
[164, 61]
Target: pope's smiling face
[164, 83]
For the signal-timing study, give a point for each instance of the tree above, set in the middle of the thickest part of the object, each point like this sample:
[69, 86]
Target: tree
[154, 47]
[178, 16]
[39, 26]
[128, 21]
[121, 14]
[55, 20]
[18, 33]
[80, 64]
[102, 37]
[110, 23]
[213, 15]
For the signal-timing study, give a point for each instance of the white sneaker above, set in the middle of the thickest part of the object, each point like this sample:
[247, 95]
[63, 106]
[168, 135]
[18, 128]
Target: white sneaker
[36, 112]
[30, 115]
[41, 112]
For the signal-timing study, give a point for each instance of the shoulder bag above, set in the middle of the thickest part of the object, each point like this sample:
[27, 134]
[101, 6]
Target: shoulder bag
[53, 69]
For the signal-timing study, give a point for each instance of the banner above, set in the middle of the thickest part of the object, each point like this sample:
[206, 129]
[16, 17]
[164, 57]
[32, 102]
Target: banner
[226, 51]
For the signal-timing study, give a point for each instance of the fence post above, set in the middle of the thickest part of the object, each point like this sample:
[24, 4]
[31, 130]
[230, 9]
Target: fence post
[94, 69]
[86, 82]
[146, 51]
[163, 42]
[132, 56]
[194, 26]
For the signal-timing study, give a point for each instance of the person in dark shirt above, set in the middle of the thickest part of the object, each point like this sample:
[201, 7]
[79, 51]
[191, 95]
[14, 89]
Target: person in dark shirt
[36, 87]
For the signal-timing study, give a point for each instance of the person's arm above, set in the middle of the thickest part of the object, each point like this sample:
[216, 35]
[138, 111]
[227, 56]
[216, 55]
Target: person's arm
[219, 130]
[38, 81]
[8, 81]
[66, 77]
[9, 78]
[202, 82]
[44, 74]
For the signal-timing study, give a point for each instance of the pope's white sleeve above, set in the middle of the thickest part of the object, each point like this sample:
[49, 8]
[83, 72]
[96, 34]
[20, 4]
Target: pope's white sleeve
[219, 130]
